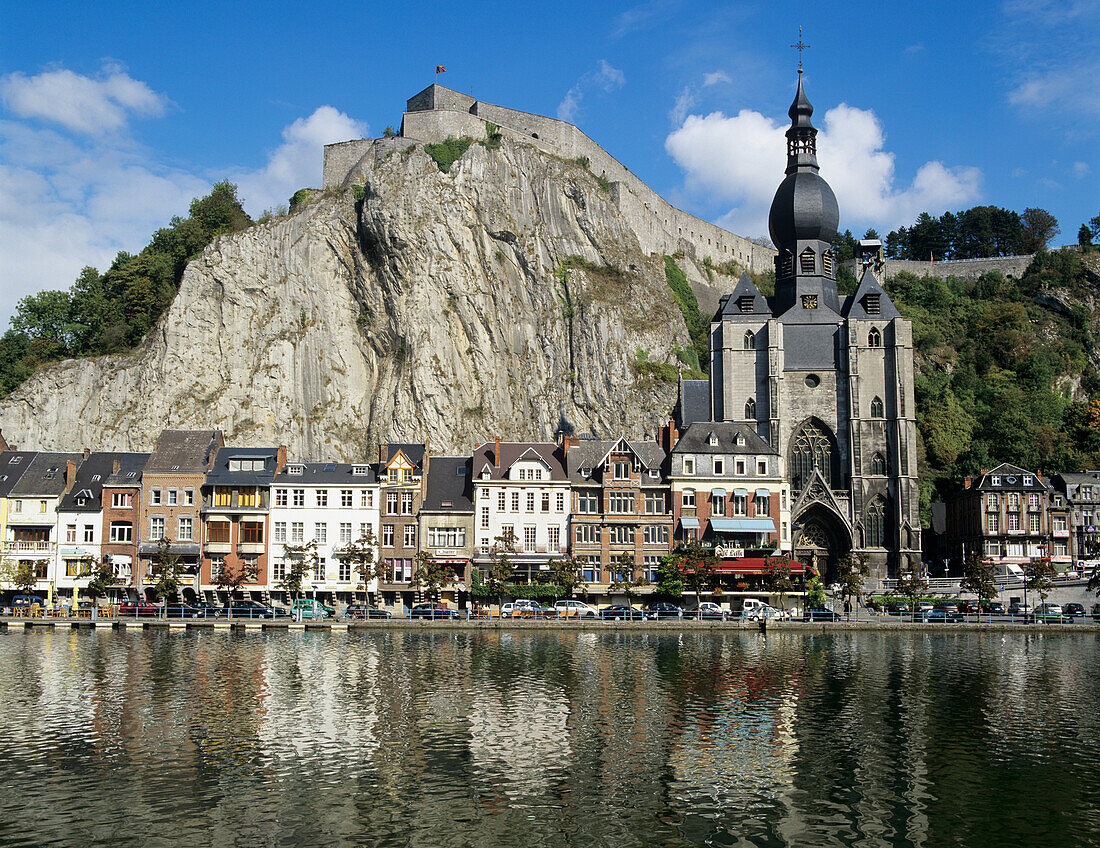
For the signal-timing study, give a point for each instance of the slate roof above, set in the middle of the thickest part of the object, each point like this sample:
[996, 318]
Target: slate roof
[694, 402]
[413, 452]
[87, 486]
[220, 475]
[510, 452]
[326, 473]
[448, 483]
[591, 454]
[855, 305]
[1011, 479]
[11, 472]
[129, 463]
[729, 308]
[45, 475]
[694, 439]
[186, 451]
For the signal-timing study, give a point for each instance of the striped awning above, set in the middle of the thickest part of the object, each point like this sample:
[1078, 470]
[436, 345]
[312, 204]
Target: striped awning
[690, 523]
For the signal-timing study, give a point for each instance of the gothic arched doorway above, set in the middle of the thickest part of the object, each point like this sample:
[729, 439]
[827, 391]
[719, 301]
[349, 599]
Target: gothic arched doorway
[821, 541]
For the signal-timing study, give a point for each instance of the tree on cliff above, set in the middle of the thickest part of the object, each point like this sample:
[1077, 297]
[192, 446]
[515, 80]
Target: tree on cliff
[1037, 228]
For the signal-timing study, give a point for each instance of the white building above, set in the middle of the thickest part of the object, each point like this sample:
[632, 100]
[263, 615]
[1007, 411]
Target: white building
[334, 503]
[522, 487]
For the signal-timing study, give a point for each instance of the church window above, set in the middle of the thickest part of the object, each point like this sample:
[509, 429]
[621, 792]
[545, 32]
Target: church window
[750, 409]
[827, 263]
[877, 408]
[874, 338]
[876, 524]
[878, 465]
[812, 381]
[786, 264]
[812, 449]
[807, 262]
[745, 303]
[750, 340]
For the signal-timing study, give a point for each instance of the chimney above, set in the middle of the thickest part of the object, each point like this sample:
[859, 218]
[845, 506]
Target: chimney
[70, 474]
[87, 452]
[496, 452]
[966, 482]
[382, 453]
[280, 459]
[569, 441]
[116, 466]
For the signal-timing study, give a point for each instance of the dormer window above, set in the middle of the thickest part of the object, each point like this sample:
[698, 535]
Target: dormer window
[96, 478]
[995, 480]
[586, 472]
[807, 262]
[872, 303]
[740, 440]
[359, 470]
[15, 460]
[712, 440]
[295, 469]
[1029, 480]
[745, 303]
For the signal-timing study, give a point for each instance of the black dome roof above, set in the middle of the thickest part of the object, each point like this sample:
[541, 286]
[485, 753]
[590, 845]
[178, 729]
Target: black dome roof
[804, 207]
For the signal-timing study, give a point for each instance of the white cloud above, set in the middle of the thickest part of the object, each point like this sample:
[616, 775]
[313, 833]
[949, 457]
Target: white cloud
[92, 106]
[715, 78]
[642, 15]
[1081, 169]
[296, 163]
[739, 160]
[1068, 89]
[605, 78]
[689, 96]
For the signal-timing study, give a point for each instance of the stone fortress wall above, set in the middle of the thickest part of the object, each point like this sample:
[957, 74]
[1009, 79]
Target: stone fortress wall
[1010, 266]
[437, 113]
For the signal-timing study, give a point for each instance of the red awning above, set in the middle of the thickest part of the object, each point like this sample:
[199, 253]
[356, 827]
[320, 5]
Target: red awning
[752, 565]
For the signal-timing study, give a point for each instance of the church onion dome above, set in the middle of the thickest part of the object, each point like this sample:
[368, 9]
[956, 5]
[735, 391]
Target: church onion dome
[804, 206]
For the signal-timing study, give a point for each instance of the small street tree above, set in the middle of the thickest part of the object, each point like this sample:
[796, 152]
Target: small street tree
[565, 574]
[852, 570]
[626, 577]
[360, 555]
[912, 583]
[670, 582]
[300, 560]
[695, 565]
[101, 575]
[500, 562]
[1039, 577]
[979, 576]
[232, 577]
[25, 579]
[777, 576]
[429, 575]
[165, 569]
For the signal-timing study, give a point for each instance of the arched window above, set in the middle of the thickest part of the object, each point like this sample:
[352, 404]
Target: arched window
[877, 410]
[812, 448]
[874, 338]
[807, 262]
[750, 340]
[786, 264]
[878, 465]
[750, 410]
[876, 524]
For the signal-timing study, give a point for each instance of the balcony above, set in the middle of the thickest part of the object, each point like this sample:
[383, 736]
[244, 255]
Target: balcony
[27, 547]
[218, 547]
[250, 547]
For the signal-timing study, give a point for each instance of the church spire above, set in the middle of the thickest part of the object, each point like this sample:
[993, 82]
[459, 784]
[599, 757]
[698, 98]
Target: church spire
[802, 135]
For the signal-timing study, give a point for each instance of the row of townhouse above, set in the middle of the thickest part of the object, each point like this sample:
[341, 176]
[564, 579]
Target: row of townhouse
[226, 509]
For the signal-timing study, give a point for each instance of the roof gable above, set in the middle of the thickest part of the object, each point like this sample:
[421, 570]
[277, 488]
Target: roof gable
[861, 305]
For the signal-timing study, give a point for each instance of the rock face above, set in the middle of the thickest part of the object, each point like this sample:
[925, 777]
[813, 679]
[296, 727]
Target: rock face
[439, 307]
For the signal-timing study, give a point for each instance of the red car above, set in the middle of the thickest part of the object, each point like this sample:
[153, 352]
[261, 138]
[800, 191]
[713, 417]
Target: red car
[132, 609]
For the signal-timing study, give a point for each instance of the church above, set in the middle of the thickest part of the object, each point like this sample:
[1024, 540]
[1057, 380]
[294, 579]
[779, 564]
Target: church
[826, 380]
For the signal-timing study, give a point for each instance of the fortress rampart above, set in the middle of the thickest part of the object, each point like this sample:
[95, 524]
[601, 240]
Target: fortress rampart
[437, 113]
[1010, 266]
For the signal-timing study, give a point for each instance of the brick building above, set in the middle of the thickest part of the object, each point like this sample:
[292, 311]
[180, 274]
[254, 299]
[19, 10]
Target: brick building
[402, 473]
[121, 500]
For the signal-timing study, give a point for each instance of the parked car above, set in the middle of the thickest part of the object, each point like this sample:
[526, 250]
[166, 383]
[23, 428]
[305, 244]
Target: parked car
[181, 611]
[247, 608]
[820, 615]
[575, 609]
[621, 612]
[362, 612]
[310, 608]
[766, 612]
[949, 607]
[1018, 609]
[923, 607]
[134, 609]
[970, 607]
[432, 611]
[707, 610]
[1074, 610]
[939, 615]
[1051, 614]
[898, 608]
[205, 609]
[526, 608]
[994, 608]
[663, 609]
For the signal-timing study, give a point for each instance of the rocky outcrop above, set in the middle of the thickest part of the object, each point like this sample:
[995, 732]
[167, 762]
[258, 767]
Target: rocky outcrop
[439, 306]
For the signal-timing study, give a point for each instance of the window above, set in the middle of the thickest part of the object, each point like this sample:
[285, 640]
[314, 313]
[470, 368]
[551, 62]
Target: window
[122, 500]
[507, 530]
[320, 532]
[750, 409]
[553, 539]
[545, 501]
[811, 449]
[529, 539]
[322, 497]
[688, 499]
[297, 532]
[621, 503]
[17, 506]
[346, 498]
[366, 499]
[559, 501]
[279, 533]
[762, 467]
[872, 303]
[218, 531]
[1013, 522]
[689, 465]
[653, 534]
[762, 504]
[1033, 523]
[359, 470]
[122, 532]
[319, 569]
[745, 303]
[173, 497]
[298, 497]
[387, 535]
[993, 522]
[587, 534]
[345, 572]
[1086, 493]
[530, 501]
[185, 528]
[719, 466]
[740, 504]
[392, 501]
[995, 480]
[655, 503]
[485, 518]
[188, 497]
[876, 524]
[1058, 522]
[345, 533]
[749, 340]
[70, 534]
[155, 497]
[874, 338]
[280, 497]
[247, 497]
[1033, 501]
[807, 263]
[217, 563]
[877, 408]
[621, 534]
[406, 503]
[1014, 500]
[739, 467]
[278, 570]
[410, 535]
[295, 469]
[156, 528]
[1061, 549]
[446, 537]
[622, 470]
[717, 503]
[827, 263]
[878, 465]
[588, 503]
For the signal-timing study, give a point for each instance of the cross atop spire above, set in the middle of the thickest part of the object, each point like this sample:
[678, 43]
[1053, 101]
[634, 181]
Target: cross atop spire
[800, 47]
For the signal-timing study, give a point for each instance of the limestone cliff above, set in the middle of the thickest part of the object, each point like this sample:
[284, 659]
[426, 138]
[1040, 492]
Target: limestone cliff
[435, 307]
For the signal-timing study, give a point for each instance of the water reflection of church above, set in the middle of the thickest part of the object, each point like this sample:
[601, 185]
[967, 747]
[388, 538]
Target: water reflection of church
[823, 383]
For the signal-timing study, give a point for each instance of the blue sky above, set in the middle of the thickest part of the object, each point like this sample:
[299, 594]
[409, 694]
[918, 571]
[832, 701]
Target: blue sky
[113, 116]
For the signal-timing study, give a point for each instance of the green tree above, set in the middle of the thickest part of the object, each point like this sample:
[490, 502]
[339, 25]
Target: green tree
[1039, 577]
[815, 593]
[696, 567]
[565, 574]
[500, 562]
[979, 576]
[101, 574]
[165, 568]
[777, 577]
[299, 561]
[429, 576]
[912, 583]
[231, 577]
[46, 315]
[25, 579]
[360, 555]
[670, 582]
[852, 571]
[625, 577]
[1084, 236]
[1037, 228]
